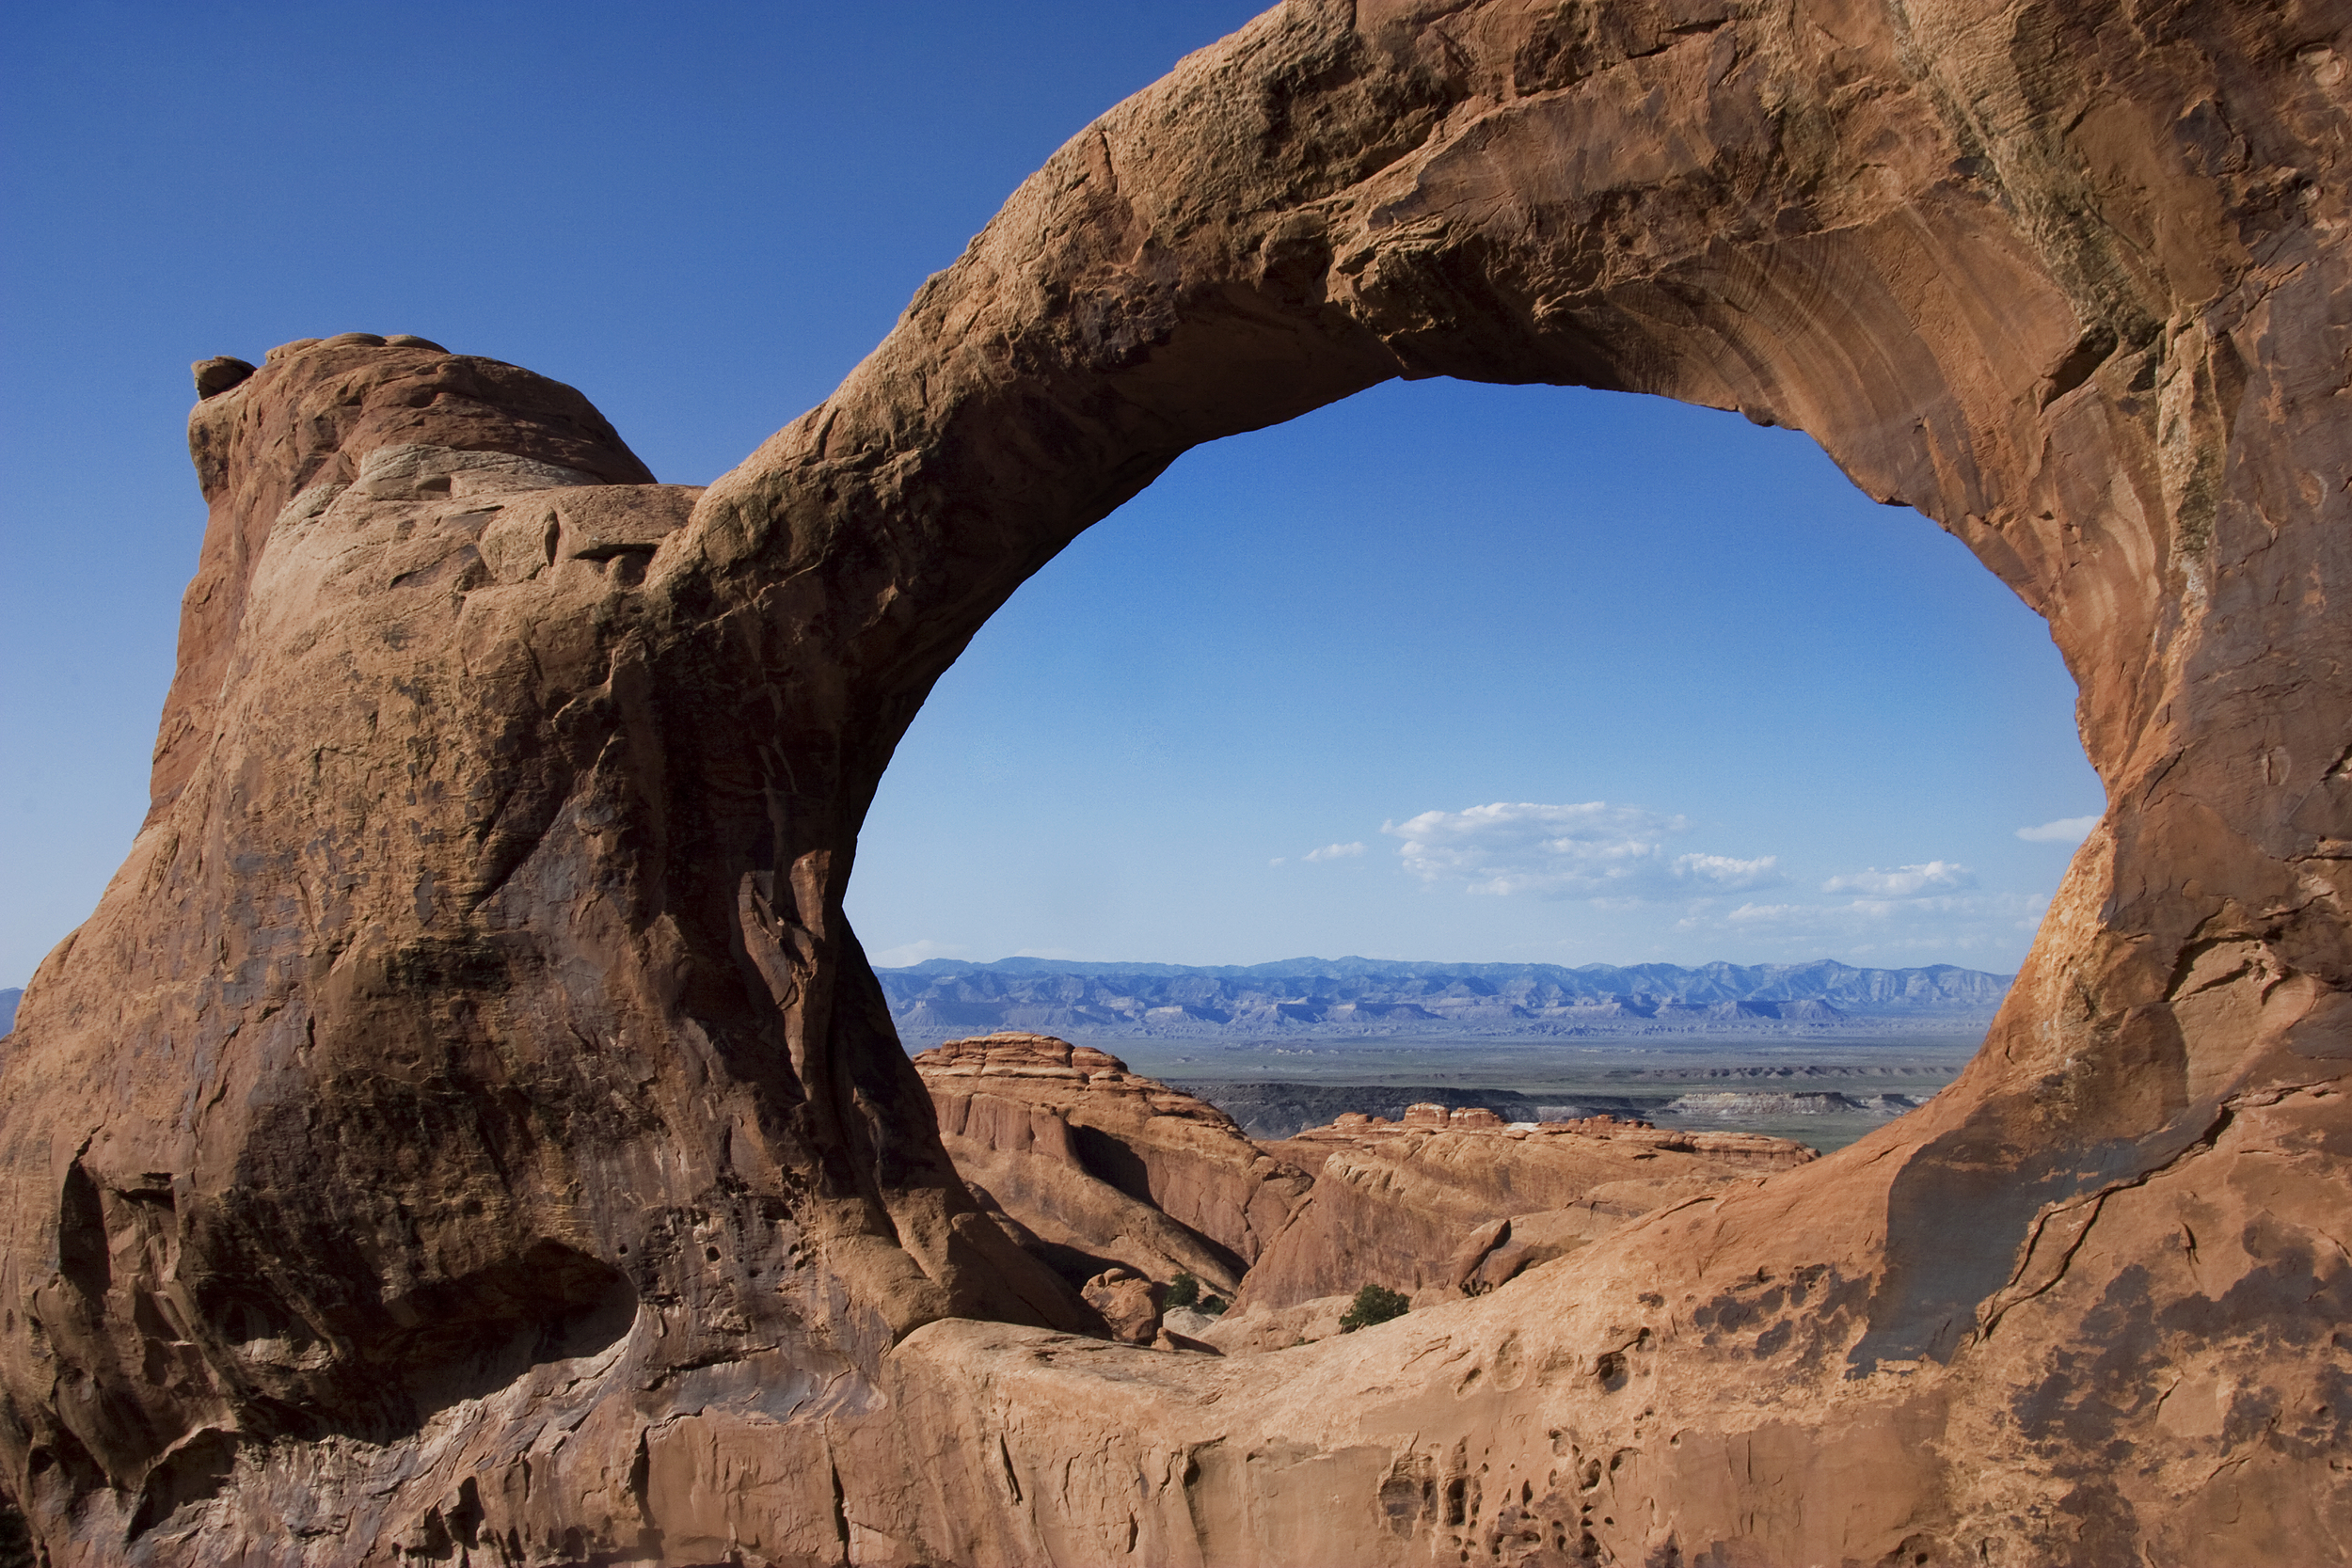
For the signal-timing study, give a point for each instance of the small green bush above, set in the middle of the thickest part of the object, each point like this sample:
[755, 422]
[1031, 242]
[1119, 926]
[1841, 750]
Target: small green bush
[1373, 1304]
[1183, 1290]
[1212, 1306]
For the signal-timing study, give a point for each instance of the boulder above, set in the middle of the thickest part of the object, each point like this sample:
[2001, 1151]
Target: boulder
[1128, 1303]
[1497, 1254]
[1258, 1330]
[1186, 1324]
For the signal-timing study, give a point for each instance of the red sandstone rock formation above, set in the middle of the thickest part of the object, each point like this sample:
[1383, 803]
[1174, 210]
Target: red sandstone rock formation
[468, 1122]
[1128, 1305]
[1440, 1201]
[1102, 1165]
[1075, 1154]
[381, 1136]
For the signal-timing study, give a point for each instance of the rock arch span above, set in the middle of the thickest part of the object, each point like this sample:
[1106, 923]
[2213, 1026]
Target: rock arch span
[479, 981]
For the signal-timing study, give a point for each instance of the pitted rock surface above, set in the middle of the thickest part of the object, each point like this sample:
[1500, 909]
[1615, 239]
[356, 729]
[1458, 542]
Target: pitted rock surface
[468, 1123]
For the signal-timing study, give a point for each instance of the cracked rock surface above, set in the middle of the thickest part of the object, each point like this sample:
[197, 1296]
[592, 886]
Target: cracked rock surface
[467, 1129]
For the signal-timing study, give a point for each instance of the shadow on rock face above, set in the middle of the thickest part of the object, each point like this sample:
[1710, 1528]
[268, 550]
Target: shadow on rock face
[437, 1346]
[473, 1336]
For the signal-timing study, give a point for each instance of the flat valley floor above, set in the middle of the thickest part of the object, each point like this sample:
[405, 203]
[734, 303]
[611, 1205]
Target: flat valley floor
[1640, 1076]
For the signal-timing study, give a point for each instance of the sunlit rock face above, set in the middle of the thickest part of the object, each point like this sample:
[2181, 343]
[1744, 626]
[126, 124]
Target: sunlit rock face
[1097, 1171]
[467, 1124]
[1442, 1202]
[1094, 1166]
[427, 1075]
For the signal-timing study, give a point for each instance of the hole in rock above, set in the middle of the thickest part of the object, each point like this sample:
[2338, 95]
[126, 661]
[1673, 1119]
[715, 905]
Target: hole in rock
[466, 1337]
[1489, 675]
[438, 1344]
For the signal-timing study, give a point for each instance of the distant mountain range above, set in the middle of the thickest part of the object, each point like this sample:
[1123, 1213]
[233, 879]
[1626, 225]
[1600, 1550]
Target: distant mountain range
[1371, 996]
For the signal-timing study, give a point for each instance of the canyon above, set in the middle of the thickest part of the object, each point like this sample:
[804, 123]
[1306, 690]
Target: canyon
[467, 1129]
[1094, 1170]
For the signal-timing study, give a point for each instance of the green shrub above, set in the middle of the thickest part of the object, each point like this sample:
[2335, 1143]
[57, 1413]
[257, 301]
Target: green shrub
[1373, 1304]
[1183, 1290]
[1212, 1306]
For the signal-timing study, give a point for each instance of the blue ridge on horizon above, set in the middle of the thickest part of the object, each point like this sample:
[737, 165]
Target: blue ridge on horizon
[1354, 967]
[1356, 994]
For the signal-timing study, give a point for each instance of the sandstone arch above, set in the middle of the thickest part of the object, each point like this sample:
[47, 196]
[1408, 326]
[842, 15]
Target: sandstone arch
[480, 982]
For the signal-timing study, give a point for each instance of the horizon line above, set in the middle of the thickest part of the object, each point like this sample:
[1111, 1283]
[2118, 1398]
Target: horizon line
[1357, 958]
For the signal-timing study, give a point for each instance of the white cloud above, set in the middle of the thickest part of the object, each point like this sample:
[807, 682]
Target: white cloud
[1333, 852]
[1771, 915]
[1593, 850]
[1904, 882]
[915, 952]
[1988, 923]
[1721, 871]
[2066, 830]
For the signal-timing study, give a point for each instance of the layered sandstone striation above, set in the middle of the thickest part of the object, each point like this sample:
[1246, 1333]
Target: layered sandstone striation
[468, 1124]
[1096, 1165]
[1444, 1202]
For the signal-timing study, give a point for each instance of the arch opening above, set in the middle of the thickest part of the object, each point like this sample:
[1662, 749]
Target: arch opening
[1440, 595]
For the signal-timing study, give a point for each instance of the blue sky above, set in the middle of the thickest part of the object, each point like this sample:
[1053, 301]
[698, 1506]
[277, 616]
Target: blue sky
[1445, 671]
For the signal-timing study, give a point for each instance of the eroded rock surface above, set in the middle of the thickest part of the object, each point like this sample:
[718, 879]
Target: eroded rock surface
[1099, 1166]
[1447, 1200]
[389, 1157]
[468, 1124]
[1073, 1154]
[1129, 1305]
